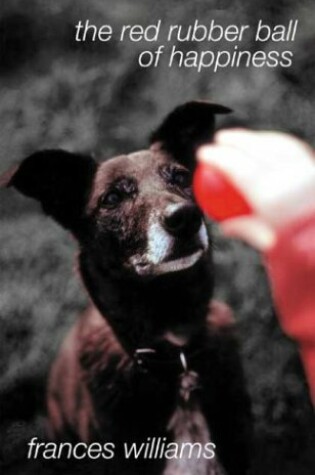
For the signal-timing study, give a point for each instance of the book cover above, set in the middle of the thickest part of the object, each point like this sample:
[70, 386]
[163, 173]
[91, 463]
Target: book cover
[135, 337]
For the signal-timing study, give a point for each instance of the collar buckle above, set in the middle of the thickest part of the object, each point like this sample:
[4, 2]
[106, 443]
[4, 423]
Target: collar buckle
[140, 354]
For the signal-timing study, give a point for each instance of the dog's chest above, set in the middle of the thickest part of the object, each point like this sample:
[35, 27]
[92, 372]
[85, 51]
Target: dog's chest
[192, 437]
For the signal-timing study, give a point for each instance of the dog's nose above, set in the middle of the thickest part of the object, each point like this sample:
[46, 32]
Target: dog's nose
[184, 221]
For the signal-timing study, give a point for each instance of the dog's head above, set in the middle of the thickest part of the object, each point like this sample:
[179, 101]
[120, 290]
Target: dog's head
[135, 212]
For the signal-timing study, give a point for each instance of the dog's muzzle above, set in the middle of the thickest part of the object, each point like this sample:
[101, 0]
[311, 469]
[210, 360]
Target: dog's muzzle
[175, 242]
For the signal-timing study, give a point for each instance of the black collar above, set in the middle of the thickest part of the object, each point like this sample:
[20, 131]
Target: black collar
[172, 359]
[179, 364]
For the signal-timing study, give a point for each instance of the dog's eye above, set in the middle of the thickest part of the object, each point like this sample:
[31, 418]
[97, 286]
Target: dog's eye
[111, 199]
[181, 178]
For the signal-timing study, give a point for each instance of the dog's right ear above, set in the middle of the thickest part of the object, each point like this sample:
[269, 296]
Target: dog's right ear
[186, 128]
[59, 180]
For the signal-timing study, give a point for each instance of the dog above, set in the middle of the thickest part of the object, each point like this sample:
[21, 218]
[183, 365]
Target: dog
[154, 357]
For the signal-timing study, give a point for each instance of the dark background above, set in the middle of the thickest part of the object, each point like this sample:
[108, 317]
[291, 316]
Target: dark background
[92, 97]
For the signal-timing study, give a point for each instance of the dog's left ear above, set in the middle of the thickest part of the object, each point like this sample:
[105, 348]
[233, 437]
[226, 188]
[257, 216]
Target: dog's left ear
[186, 128]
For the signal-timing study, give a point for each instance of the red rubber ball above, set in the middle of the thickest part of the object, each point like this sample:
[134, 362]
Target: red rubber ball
[216, 194]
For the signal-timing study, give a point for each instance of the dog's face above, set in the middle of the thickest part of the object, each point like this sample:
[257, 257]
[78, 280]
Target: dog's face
[141, 208]
[135, 213]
